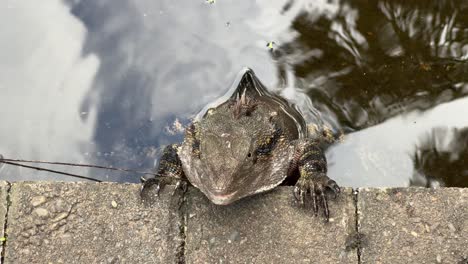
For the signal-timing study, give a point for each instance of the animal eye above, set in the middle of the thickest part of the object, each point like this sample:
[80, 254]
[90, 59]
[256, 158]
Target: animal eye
[249, 155]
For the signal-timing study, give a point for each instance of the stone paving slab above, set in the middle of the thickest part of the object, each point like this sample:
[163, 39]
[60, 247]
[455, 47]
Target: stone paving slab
[91, 223]
[4, 186]
[268, 228]
[414, 225]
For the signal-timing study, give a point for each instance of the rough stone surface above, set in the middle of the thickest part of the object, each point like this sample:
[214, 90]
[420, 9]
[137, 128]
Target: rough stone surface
[414, 225]
[4, 186]
[107, 223]
[91, 223]
[268, 228]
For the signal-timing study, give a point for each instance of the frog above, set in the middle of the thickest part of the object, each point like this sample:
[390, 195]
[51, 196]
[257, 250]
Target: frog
[249, 143]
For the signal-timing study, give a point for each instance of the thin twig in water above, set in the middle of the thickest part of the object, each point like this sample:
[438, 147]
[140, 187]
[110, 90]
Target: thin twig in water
[77, 165]
[53, 171]
[14, 162]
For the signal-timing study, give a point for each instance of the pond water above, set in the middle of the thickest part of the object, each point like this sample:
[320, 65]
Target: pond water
[110, 82]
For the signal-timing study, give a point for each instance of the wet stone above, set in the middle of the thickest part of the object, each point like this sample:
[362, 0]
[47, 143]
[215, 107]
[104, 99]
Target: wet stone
[268, 228]
[387, 218]
[74, 223]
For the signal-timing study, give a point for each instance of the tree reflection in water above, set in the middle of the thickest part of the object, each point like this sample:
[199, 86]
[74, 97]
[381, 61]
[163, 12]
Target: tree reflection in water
[362, 62]
[442, 158]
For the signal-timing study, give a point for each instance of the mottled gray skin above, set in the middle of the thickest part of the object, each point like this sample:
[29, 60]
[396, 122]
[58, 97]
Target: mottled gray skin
[250, 143]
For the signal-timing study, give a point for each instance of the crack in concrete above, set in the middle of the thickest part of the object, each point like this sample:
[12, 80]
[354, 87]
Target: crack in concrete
[5, 224]
[182, 214]
[356, 216]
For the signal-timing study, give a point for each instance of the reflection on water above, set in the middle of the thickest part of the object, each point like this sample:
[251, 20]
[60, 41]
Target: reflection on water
[104, 81]
[383, 155]
[441, 159]
[364, 62]
[43, 78]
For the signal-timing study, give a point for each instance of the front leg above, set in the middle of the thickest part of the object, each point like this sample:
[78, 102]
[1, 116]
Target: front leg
[169, 172]
[313, 180]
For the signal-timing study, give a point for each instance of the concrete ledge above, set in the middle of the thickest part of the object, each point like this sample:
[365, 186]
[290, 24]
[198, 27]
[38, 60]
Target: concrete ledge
[90, 223]
[54, 222]
[268, 228]
[414, 225]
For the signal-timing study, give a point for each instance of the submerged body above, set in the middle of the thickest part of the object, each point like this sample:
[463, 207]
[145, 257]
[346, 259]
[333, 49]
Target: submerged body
[251, 143]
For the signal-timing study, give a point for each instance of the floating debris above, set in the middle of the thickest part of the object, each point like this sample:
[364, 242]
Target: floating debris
[175, 128]
[210, 1]
[425, 66]
[270, 45]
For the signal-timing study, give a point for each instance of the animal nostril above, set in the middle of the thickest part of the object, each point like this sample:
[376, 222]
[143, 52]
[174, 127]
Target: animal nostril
[249, 155]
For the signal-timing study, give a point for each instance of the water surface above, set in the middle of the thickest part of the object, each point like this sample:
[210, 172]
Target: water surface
[111, 82]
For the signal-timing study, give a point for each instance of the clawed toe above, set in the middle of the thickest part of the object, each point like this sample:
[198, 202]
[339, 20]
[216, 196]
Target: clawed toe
[157, 184]
[317, 187]
[299, 194]
[180, 185]
[147, 184]
[313, 195]
[333, 187]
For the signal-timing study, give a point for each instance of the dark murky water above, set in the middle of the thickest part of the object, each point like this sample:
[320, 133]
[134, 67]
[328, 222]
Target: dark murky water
[109, 82]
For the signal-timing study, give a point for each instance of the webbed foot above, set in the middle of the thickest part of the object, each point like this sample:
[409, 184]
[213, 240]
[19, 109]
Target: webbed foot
[316, 187]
